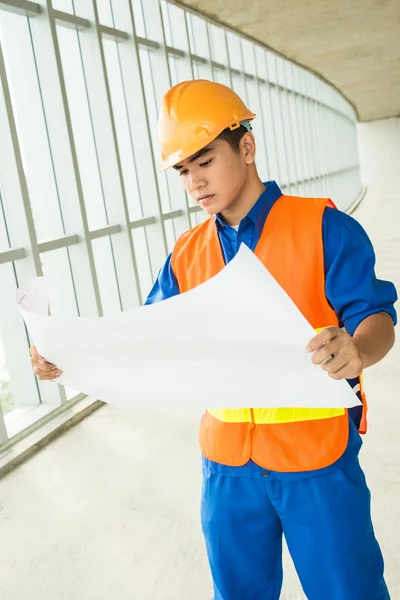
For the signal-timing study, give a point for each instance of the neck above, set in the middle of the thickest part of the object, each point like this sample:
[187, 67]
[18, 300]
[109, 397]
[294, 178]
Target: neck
[244, 202]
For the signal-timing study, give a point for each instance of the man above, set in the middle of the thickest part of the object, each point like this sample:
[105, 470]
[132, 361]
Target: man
[273, 471]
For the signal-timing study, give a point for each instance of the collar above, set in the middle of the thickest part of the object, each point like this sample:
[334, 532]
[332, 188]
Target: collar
[260, 210]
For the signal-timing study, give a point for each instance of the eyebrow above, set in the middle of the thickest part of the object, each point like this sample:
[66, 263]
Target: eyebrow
[198, 154]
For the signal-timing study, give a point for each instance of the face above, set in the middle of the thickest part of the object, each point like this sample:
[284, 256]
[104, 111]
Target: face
[216, 175]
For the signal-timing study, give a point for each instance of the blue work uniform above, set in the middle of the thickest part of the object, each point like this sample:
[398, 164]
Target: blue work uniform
[324, 514]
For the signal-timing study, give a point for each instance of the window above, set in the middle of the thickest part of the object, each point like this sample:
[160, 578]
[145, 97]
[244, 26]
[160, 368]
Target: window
[80, 199]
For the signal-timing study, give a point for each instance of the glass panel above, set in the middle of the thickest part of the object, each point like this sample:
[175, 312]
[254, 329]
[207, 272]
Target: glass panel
[235, 54]
[261, 67]
[105, 269]
[193, 218]
[271, 67]
[174, 22]
[166, 23]
[140, 24]
[31, 124]
[57, 271]
[6, 399]
[270, 132]
[152, 107]
[169, 230]
[218, 45]
[125, 129]
[146, 276]
[18, 388]
[222, 76]
[82, 127]
[239, 86]
[248, 57]
[198, 36]
[5, 242]
[173, 69]
[105, 12]
[64, 5]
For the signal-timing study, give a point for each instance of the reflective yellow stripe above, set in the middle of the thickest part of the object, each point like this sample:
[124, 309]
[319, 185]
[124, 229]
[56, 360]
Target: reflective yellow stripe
[231, 415]
[273, 415]
[361, 383]
[292, 415]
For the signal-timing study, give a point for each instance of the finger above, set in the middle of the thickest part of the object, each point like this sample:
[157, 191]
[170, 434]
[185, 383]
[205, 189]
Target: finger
[44, 366]
[335, 364]
[47, 378]
[41, 370]
[46, 375]
[342, 373]
[331, 349]
[324, 337]
[352, 369]
[40, 373]
[36, 356]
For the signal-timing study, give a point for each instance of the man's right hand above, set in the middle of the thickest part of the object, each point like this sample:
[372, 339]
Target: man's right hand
[43, 370]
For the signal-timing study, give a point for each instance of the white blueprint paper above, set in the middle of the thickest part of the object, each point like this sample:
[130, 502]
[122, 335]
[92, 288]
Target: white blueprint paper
[237, 340]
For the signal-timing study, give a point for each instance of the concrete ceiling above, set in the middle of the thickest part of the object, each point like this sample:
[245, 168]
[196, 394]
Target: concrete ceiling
[354, 44]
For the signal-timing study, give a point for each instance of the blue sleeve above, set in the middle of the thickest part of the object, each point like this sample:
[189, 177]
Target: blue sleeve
[351, 285]
[166, 284]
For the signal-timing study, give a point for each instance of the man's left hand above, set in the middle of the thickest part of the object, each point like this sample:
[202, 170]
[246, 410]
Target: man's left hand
[344, 360]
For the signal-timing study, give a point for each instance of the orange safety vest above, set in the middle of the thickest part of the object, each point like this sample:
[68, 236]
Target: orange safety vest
[291, 248]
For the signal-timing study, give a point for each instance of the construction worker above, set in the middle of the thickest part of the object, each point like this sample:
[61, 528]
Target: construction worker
[274, 471]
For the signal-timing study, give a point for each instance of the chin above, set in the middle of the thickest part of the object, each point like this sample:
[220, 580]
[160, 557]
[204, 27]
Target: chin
[209, 210]
[213, 208]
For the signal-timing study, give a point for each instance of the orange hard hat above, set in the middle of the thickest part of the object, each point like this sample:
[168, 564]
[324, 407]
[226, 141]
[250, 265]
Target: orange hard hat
[193, 113]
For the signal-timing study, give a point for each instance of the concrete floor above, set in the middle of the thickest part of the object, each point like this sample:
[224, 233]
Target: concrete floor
[111, 509]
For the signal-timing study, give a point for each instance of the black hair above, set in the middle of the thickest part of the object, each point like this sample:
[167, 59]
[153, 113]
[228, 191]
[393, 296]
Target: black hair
[233, 137]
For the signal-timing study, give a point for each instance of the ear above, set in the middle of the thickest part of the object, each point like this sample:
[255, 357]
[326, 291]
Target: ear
[248, 147]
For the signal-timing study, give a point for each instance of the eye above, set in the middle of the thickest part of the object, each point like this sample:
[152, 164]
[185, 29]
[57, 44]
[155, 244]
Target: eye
[205, 164]
[184, 172]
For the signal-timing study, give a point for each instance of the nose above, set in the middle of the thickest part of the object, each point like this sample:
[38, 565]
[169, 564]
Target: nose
[197, 180]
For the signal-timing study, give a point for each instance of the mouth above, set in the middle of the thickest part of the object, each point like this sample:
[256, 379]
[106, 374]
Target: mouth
[202, 200]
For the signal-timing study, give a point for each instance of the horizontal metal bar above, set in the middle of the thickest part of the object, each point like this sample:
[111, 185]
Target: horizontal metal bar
[351, 168]
[71, 21]
[12, 254]
[219, 66]
[114, 34]
[142, 222]
[339, 171]
[150, 44]
[172, 214]
[318, 177]
[21, 7]
[64, 242]
[199, 59]
[176, 52]
[103, 231]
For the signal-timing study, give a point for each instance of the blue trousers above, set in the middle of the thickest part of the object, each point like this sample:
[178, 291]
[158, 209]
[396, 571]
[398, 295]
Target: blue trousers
[327, 525]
